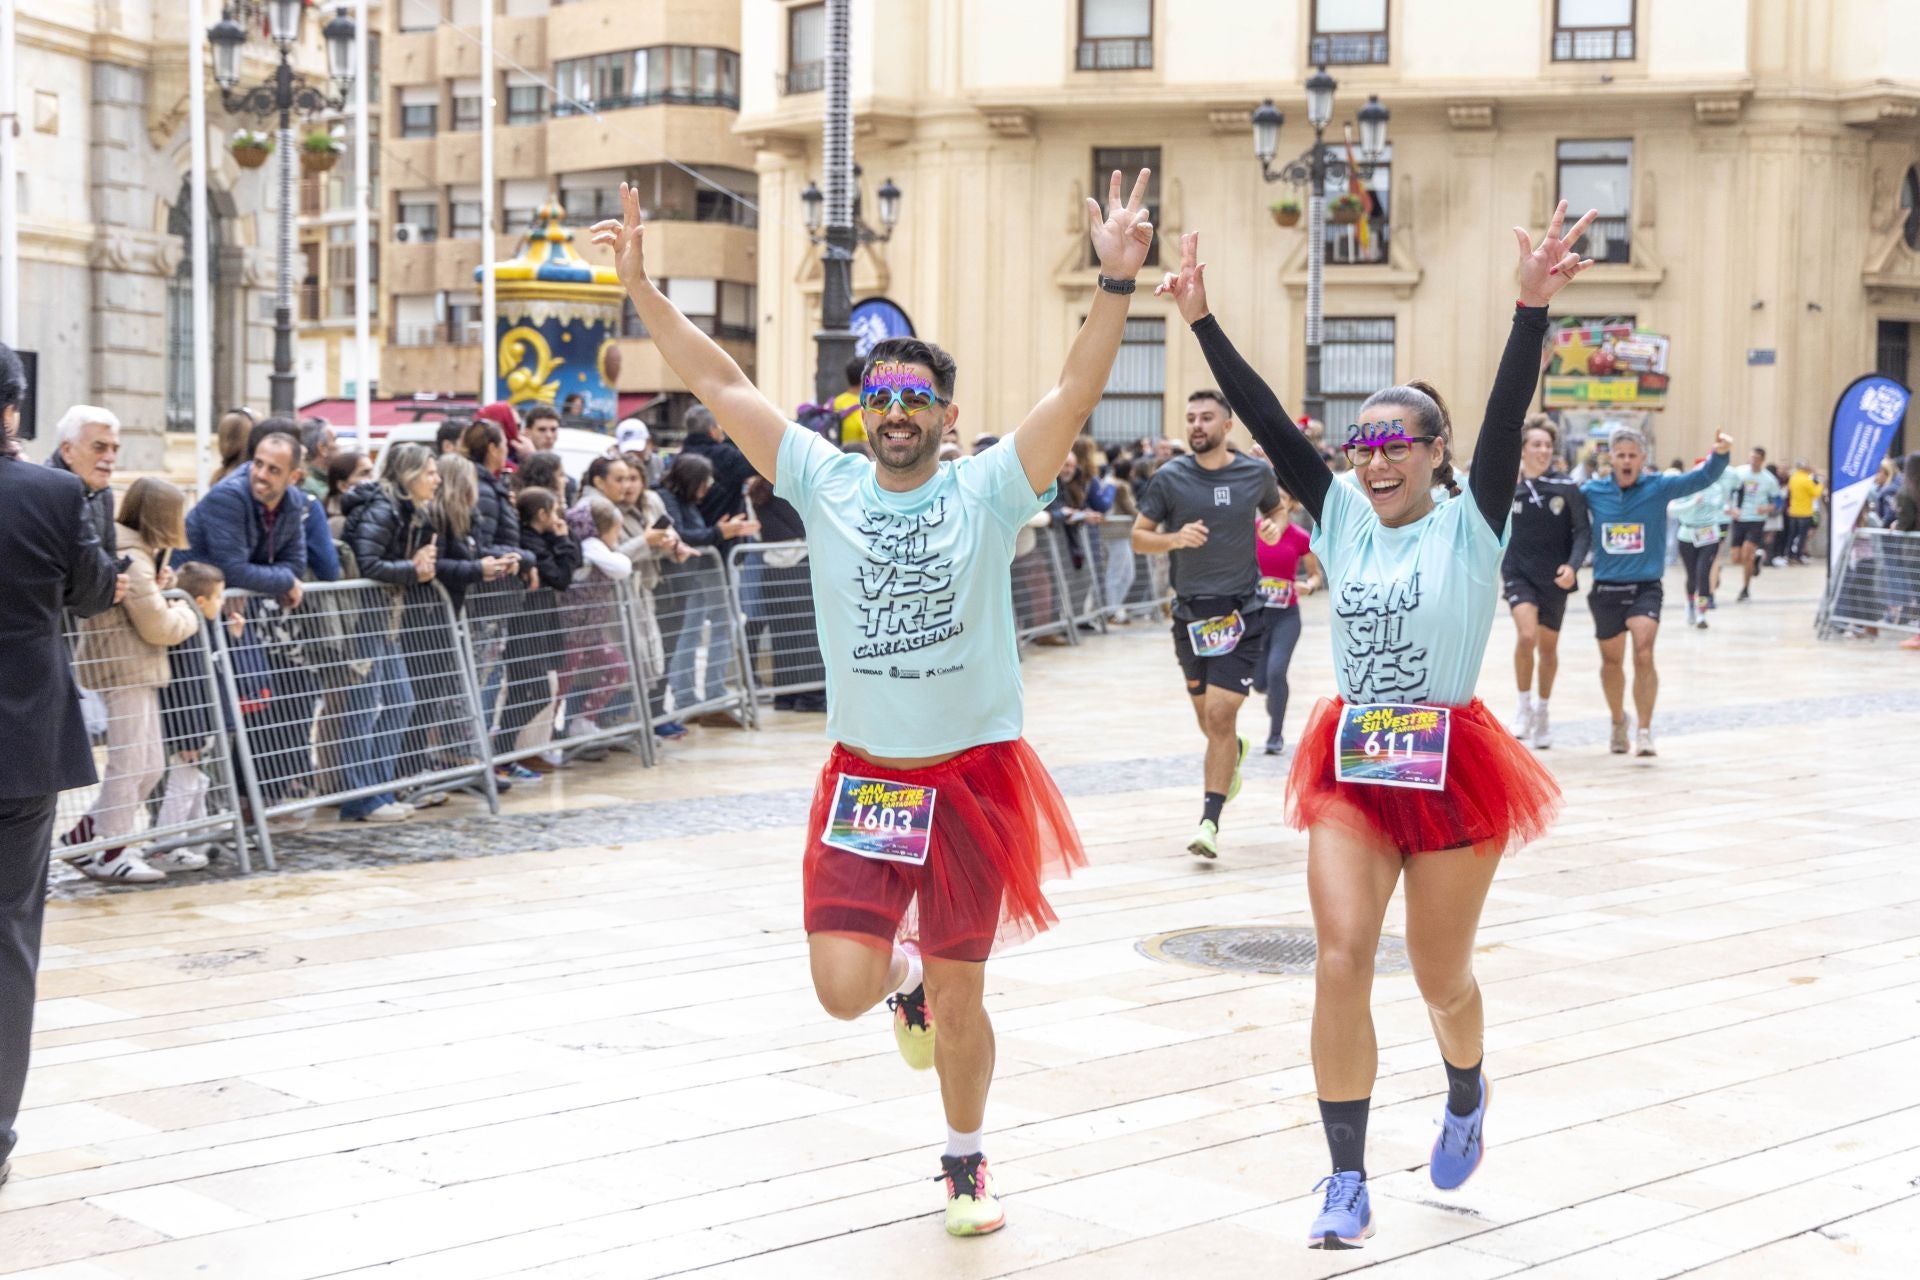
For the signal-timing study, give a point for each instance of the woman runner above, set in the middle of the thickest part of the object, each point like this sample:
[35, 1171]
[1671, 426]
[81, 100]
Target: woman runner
[1413, 586]
[1282, 585]
[1542, 567]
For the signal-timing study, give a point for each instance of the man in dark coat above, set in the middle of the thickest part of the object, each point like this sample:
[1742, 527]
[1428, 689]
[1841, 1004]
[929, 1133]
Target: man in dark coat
[54, 561]
[731, 470]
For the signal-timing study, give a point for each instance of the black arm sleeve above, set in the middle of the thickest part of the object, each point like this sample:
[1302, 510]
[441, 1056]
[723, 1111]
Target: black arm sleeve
[92, 577]
[1496, 457]
[1582, 530]
[1294, 459]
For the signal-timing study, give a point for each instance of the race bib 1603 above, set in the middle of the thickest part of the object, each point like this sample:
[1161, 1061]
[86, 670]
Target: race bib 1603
[1394, 745]
[1624, 539]
[1216, 637]
[879, 819]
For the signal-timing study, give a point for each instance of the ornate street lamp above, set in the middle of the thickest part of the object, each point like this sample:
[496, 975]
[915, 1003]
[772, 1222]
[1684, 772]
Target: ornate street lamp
[281, 96]
[1313, 169]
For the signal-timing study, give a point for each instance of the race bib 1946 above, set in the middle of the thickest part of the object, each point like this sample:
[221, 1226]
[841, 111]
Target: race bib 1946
[1394, 745]
[883, 820]
[1216, 637]
[1624, 539]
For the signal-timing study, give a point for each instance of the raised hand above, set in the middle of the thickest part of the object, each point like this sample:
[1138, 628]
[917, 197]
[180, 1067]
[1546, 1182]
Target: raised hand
[623, 235]
[1545, 268]
[1122, 236]
[1722, 442]
[1187, 286]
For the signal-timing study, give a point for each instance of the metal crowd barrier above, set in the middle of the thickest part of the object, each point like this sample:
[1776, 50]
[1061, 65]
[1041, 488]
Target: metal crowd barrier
[1878, 584]
[773, 595]
[1040, 585]
[557, 670]
[1083, 571]
[1137, 586]
[362, 695]
[701, 631]
[167, 778]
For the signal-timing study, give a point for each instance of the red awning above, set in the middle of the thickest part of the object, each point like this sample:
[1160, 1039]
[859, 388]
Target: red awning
[387, 413]
[632, 402]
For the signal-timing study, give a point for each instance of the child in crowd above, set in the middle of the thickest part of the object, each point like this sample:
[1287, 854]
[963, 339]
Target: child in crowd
[186, 704]
[594, 669]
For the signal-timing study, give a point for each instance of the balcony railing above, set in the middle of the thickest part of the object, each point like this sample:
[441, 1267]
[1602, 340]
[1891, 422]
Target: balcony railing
[1348, 48]
[309, 301]
[806, 77]
[1607, 240]
[665, 97]
[1124, 53]
[1593, 44]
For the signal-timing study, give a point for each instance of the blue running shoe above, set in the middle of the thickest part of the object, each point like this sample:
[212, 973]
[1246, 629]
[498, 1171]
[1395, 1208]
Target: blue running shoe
[1346, 1217]
[1458, 1149]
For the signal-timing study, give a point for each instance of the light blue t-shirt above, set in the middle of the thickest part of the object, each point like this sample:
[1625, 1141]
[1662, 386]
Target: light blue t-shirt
[1630, 525]
[1706, 509]
[1412, 606]
[913, 595]
[1754, 491]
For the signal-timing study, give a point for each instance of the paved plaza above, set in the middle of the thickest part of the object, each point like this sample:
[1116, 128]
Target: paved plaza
[578, 1040]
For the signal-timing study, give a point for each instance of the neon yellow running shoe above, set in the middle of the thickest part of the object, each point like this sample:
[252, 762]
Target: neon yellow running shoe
[913, 1027]
[971, 1208]
[1206, 841]
[1246, 745]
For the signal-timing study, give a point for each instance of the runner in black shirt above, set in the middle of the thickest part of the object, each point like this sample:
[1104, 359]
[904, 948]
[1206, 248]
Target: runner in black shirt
[1550, 541]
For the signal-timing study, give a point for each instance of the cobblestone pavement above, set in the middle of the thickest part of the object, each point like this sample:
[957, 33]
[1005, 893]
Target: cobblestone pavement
[578, 1039]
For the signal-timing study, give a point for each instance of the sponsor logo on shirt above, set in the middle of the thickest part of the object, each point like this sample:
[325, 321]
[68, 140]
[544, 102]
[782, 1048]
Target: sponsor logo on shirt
[1222, 495]
[946, 671]
[868, 671]
[903, 673]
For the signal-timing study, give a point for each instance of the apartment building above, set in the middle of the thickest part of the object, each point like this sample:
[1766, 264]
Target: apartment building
[585, 95]
[1753, 163]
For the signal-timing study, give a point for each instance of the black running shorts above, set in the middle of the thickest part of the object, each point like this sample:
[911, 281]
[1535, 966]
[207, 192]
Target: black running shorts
[1549, 599]
[1613, 603]
[1234, 671]
[1745, 531]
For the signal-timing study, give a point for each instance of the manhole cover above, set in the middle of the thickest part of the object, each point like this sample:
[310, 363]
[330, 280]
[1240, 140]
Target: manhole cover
[1258, 949]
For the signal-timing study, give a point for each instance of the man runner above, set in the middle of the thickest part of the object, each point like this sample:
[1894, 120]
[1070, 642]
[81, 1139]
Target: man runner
[1629, 512]
[930, 800]
[1212, 499]
[1756, 495]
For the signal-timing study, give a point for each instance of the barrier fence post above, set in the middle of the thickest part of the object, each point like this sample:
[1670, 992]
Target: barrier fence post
[235, 731]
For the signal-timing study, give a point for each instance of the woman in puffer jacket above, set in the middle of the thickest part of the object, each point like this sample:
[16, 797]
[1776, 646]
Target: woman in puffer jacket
[389, 527]
[123, 657]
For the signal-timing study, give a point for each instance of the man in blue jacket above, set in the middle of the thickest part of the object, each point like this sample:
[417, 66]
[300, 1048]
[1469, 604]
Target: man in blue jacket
[1628, 509]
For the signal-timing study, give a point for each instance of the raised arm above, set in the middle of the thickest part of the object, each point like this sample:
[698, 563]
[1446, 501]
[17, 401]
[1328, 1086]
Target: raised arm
[1545, 269]
[1121, 238]
[750, 419]
[1298, 464]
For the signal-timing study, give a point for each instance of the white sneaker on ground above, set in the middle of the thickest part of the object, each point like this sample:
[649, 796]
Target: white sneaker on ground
[1522, 723]
[1643, 744]
[124, 866]
[555, 757]
[1617, 743]
[582, 726]
[1542, 734]
[392, 811]
[295, 821]
[428, 799]
[187, 857]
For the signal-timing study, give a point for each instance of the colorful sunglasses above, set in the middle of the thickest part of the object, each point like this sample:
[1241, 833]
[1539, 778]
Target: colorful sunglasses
[913, 397]
[1389, 439]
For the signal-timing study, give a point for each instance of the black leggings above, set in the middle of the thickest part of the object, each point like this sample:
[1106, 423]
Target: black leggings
[1271, 678]
[1699, 563]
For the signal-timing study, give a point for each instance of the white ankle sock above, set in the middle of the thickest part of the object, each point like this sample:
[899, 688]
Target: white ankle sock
[915, 969]
[1540, 705]
[963, 1144]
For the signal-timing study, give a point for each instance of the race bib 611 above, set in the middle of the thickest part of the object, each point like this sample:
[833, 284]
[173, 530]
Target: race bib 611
[1391, 744]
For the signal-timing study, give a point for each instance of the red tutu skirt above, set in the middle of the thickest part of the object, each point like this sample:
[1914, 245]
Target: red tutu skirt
[1498, 797]
[1000, 831]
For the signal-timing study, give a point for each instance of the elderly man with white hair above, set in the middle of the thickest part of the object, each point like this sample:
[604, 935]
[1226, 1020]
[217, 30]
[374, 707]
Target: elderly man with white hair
[89, 446]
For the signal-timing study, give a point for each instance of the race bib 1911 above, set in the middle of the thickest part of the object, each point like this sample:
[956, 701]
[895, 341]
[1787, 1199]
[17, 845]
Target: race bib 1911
[1624, 539]
[1277, 592]
[1216, 637]
[1394, 745]
[883, 820]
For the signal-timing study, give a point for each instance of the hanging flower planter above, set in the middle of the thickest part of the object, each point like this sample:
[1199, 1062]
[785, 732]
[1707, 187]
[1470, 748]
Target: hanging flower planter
[250, 150]
[319, 153]
[1286, 213]
[1345, 210]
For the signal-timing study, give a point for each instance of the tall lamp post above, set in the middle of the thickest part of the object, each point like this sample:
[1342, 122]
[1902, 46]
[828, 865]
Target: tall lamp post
[838, 211]
[282, 96]
[1312, 169]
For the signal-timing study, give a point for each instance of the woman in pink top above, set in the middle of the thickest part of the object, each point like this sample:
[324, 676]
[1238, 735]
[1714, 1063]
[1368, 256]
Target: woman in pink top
[1281, 585]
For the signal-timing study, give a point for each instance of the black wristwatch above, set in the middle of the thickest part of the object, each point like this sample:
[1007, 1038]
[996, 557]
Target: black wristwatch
[1116, 286]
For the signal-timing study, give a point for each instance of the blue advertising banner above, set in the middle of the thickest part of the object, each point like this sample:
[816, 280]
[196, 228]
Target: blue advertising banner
[1864, 420]
[876, 320]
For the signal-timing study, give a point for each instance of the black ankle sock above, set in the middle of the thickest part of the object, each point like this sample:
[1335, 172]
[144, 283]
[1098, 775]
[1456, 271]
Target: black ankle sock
[1463, 1087]
[1345, 1124]
[1210, 812]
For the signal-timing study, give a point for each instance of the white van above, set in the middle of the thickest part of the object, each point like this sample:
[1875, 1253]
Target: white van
[577, 448]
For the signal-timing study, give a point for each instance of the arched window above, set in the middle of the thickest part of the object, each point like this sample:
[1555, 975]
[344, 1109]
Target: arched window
[179, 352]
